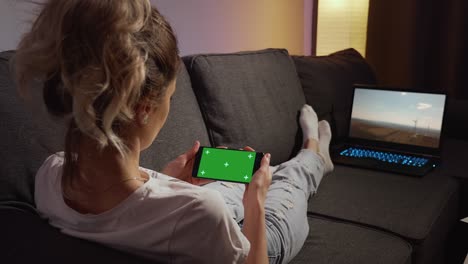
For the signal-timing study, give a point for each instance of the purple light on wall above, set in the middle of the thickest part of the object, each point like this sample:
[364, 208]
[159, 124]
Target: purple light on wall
[211, 26]
[308, 11]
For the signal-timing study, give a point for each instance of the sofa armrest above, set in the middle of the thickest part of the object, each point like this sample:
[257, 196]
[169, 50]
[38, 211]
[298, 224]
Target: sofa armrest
[28, 238]
[456, 119]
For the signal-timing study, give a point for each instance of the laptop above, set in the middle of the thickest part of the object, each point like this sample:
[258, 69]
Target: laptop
[393, 130]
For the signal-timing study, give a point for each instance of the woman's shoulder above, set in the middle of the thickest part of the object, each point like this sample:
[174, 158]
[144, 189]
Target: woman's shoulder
[55, 158]
[47, 183]
[52, 162]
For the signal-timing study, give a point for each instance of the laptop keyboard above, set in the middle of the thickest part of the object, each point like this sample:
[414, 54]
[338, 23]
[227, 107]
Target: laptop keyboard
[387, 157]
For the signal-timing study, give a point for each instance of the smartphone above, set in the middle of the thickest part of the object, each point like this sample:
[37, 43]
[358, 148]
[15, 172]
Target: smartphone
[226, 164]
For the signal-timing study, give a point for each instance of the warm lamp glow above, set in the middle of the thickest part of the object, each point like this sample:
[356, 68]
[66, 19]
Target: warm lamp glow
[341, 24]
[337, 3]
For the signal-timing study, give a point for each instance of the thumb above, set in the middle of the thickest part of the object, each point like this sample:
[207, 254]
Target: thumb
[193, 151]
[265, 161]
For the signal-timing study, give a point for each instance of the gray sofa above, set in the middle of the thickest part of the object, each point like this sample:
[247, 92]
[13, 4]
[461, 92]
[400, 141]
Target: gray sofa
[248, 98]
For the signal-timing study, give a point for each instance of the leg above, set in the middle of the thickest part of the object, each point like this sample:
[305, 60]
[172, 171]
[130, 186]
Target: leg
[292, 184]
[232, 194]
[286, 205]
[316, 135]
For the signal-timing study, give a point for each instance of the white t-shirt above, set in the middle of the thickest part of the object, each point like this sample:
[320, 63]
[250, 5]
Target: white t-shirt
[165, 219]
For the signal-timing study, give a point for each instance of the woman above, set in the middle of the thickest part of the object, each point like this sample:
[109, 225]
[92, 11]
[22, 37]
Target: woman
[110, 68]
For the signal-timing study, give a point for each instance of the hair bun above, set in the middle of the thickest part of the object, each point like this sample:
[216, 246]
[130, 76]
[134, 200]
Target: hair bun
[58, 101]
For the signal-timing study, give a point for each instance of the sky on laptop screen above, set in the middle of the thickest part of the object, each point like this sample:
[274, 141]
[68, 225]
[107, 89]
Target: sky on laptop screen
[399, 117]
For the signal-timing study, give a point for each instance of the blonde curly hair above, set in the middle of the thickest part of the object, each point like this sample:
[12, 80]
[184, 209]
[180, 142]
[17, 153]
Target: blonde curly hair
[97, 60]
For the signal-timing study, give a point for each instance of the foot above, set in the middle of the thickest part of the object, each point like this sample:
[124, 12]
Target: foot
[325, 136]
[309, 124]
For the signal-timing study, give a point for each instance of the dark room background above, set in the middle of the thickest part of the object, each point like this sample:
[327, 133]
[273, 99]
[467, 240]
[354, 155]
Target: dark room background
[420, 44]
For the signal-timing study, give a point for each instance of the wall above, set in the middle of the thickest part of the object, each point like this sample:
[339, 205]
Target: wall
[15, 17]
[205, 25]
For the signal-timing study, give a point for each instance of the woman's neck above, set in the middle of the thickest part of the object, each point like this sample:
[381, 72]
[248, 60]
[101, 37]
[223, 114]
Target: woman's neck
[101, 168]
[102, 178]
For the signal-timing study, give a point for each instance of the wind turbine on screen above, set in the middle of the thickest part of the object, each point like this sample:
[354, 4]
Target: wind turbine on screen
[415, 127]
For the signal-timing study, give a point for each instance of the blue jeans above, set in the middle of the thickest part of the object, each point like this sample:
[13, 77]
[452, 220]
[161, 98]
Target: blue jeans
[286, 203]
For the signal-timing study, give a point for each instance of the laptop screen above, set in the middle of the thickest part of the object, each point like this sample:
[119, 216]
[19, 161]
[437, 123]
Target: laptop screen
[410, 118]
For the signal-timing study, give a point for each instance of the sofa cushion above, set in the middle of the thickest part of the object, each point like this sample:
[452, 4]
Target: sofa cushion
[327, 82]
[421, 209]
[184, 125]
[26, 238]
[250, 98]
[331, 241]
[401, 204]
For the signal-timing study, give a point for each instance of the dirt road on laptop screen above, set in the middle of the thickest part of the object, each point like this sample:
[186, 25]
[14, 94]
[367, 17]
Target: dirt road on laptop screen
[388, 132]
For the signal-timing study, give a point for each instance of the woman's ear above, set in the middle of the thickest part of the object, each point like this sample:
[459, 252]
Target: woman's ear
[142, 112]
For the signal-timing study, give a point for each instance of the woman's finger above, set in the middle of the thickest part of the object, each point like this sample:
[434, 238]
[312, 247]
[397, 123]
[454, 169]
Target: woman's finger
[248, 148]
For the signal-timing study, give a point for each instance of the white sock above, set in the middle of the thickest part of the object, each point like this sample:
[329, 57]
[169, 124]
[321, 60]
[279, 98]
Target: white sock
[309, 123]
[325, 136]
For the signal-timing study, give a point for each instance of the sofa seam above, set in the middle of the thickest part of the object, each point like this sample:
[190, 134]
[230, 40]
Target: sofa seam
[359, 224]
[200, 105]
[242, 53]
[205, 120]
[9, 53]
[19, 206]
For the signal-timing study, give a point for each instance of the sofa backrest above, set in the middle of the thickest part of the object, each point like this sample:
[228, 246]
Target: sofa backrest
[328, 84]
[237, 99]
[25, 139]
[29, 135]
[250, 98]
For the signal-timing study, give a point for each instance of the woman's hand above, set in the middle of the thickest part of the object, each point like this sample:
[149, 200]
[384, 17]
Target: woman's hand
[256, 190]
[254, 212]
[181, 167]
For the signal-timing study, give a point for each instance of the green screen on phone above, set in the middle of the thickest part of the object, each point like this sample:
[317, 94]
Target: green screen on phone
[228, 165]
